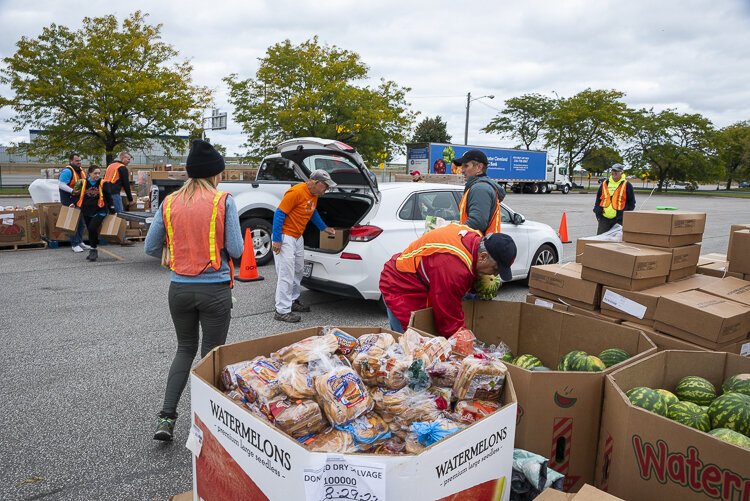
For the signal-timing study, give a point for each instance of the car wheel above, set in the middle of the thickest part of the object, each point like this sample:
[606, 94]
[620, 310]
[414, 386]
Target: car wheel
[565, 189]
[261, 234]
[544, 255]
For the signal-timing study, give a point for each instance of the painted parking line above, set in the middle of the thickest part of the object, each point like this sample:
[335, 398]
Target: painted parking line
[116, 256]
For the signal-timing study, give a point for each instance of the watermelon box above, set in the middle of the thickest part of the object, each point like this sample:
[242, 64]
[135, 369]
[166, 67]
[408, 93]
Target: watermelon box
[665, 342]
[236, 455]
[558, 412]
[646, 456]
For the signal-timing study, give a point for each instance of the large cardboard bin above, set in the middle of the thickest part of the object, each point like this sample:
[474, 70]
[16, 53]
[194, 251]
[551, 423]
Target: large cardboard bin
[559, 412]
[666, 342]
[243, 457]
[646, 456]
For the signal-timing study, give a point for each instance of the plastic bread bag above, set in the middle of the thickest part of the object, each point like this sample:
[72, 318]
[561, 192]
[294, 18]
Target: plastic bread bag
[443, 397]
[393, 446]
[307, 349]
[501, 351]
[443, 373]
[434, 348]
[410, 340]
[411, 444]
[296, 381]
[389, 370]
[259, 380]
[429, 433]
[342, 394]
[481, 379]
[367, 430]
[462, 341]
[374, 344]
[330, 440]
[236, 395]
[407, 405]
[298, 418]
[470, 411]
[346, 341]
[228, 379]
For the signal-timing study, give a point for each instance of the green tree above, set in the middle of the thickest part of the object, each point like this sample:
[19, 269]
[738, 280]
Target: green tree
[673, 146]
[599, 159]
[432, 130]
[733, 144]
[590, 119]
[102, 88]
[310, 90]
[524, 118]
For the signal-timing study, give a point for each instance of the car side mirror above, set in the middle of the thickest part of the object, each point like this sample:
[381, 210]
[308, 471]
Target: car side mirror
[518, 219]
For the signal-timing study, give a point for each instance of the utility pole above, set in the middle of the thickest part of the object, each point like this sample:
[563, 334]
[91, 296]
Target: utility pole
[468, 104]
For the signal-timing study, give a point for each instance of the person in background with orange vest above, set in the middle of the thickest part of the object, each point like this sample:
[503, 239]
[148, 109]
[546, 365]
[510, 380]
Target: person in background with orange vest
[438, 269]
[66, 183]
[95, 204]
[200, 227]
[117, 179]
[296, 209]
[480, 206]
[614, 197]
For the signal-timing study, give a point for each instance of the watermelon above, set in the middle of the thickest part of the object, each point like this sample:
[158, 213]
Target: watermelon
[589, 363]
[508, 356]
[487, 286]
[689, 414]
[731, 437]
[613, 356]
[527, 361]
[731, 410]
[670, 397]
[695, 389]
[568, 358]
[648, 399]
[739, 383]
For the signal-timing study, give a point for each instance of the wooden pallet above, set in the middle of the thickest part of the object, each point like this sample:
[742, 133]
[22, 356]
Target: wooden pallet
[18, 247]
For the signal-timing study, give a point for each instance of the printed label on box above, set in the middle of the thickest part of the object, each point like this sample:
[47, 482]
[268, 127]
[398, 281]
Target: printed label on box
[340, 478]
[543, 303]
[622, 303]
[195, 440]
[745, 350]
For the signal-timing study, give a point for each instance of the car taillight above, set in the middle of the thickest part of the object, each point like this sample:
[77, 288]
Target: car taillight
[349, 255]
[364, 233]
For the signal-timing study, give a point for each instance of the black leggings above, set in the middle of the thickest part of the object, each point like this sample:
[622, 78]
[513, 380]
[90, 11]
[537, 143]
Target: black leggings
[191, 305]
[94, 225]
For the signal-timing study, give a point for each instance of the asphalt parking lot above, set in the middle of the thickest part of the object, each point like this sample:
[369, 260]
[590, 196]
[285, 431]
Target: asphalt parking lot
[87, 348]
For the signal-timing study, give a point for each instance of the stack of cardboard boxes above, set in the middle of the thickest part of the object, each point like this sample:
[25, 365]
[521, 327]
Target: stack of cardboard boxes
[19, 226]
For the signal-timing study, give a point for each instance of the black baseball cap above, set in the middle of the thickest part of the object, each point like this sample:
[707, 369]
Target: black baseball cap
[476, 155]
[502, 249]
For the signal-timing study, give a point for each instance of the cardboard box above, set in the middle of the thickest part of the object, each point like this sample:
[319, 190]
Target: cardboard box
[664, 341]
[581, 246]
[640, 306]
[621, 282]
[558, 411]
[702, 318]
[628, 261]
[113, 228]
[661, 240]
[659, 222]
[179, 175]
[730, 288]
[732, 229]
[587, 493]
[244, 457]
[68, 218]
[718, 269]
[232, 175]
[682, 257]
[564, 281]
[739, 252]
[51, 213]
[545, 303]
[334, 242]
[682, 273]
[550, 302]
[646, 456]
[33, 226]
[13, 229]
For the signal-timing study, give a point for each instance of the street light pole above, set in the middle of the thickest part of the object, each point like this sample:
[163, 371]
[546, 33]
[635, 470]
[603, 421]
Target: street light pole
[468, 104]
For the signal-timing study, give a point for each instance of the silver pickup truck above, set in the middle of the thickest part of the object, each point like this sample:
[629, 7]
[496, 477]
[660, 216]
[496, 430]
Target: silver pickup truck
[343, 206]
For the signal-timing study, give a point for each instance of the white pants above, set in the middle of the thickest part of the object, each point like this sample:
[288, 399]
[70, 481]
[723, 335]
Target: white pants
[289, 265]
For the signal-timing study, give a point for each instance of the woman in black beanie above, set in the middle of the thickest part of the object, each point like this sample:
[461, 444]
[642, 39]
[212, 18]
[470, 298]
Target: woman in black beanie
[200, 228]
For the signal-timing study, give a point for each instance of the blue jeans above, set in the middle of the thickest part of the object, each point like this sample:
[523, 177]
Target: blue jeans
[117, 202]
[395, 323]
[77, 237]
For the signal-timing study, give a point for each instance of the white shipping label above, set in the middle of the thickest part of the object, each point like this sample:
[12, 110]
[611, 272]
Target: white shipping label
[545, 304]
[745, 350]
[622, 303]
[340, 478]
[7, 218]
[195, 440]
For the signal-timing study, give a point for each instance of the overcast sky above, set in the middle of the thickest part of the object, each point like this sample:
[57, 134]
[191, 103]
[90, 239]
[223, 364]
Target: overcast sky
[692, 55]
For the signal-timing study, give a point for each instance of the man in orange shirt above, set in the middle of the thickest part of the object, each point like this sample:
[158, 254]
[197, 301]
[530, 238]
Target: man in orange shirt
[296, 209]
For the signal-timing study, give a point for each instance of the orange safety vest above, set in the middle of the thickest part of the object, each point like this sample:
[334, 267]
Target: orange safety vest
[84, 187]
[112, 175]
[444, 240]
[200, 236]
[74, 179]
[494, 226]
[618, 198]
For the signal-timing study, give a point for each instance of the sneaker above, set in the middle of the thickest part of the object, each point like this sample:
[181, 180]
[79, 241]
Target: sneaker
[85, 246]
[297, 306]
[93, 255]
[287, 317]
[165, 429]
[77, 248]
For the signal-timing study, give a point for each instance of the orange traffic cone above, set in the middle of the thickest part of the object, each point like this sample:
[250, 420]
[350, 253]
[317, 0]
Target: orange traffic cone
[248, 268]
[562, 232]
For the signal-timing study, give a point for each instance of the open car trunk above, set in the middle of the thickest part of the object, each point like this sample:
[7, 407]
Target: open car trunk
[338, 210]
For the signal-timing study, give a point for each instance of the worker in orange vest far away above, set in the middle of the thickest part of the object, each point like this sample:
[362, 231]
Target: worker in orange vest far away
[614, 197]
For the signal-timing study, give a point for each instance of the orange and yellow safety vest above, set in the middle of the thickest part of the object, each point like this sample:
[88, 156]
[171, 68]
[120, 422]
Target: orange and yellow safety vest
[493, 226]
[616, 200]
[445, 240]
[84, 187]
